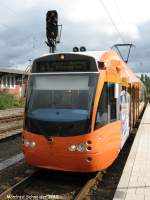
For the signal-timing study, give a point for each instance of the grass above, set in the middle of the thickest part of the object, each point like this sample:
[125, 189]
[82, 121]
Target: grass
[9, 101]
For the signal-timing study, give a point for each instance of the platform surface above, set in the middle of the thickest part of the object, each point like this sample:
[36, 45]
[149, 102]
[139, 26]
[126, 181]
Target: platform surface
[135, 180]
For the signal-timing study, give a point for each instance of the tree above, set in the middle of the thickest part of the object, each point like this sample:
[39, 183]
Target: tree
[142, 78]
[146, 80]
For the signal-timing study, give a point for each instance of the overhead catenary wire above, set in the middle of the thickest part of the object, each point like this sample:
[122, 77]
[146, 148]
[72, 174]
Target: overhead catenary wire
[112, 21]
[100, 1]
[122, 22]
[125, 22]
[2, 5]
[8, 8]
[17, 15]
[28, 36]
[121, 18]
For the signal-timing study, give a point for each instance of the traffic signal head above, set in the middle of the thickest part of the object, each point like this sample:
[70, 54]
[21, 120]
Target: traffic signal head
[52, 25]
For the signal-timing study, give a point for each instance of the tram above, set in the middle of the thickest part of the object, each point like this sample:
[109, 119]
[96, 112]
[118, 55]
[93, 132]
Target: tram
[79, 111]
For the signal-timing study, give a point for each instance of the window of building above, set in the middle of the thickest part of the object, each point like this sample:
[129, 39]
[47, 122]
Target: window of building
[13, 82]
[3, 81]
[102, 110]
[8, 82]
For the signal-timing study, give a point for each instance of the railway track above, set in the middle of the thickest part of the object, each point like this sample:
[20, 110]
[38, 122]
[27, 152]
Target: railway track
[44, 185]
[54, 185]
[11, 128]
[70, 186]
[7, 119]
[10, 124]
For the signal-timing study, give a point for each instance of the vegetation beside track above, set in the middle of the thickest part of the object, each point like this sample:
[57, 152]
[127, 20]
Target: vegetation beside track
[146, 80]
[10, 101]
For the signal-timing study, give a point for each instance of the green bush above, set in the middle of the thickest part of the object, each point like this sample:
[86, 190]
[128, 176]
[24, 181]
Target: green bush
[9, 101]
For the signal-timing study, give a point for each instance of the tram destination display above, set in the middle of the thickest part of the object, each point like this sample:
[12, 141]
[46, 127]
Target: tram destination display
[63, 66]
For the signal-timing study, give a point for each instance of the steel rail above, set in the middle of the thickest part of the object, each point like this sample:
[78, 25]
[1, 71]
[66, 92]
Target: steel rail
[88, 186]
[11, 118]
[21, 185]
[11, 128]
[16, 187]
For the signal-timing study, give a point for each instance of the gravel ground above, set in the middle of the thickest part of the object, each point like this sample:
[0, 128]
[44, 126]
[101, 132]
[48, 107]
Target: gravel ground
[52, 182]
[13, 174]
[66, 185]
[12, 111]
[10, 147]
[60, 183]
[10, 125]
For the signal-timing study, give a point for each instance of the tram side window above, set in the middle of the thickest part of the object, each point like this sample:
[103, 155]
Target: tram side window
[112, 102]
[102, 110]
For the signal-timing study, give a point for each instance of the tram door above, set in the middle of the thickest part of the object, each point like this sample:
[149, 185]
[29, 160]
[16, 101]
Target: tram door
[113, 101]
[109, 105]
[124, 114]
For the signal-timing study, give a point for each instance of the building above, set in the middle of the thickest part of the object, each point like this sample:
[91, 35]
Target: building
[13, 81]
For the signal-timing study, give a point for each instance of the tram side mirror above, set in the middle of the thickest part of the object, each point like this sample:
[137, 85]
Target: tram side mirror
[117, 91]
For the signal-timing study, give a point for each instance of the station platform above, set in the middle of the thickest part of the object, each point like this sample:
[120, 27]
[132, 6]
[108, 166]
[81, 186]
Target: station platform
[134, 183]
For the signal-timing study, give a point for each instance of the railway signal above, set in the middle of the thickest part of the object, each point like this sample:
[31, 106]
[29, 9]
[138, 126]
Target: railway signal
[52, 24]
[52, 29]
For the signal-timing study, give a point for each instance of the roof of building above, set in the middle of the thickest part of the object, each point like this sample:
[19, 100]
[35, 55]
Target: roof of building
[12, 71]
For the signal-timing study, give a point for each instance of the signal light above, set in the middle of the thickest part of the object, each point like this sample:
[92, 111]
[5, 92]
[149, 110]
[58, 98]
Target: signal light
[51, 25]
[75, 49]
[82, 49]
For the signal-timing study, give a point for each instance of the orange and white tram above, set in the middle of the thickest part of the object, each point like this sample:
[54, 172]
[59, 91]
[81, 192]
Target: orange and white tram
[80, 108]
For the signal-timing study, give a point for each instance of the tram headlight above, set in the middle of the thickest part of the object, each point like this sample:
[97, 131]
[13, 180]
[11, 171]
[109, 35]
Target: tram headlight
[81, 147]
[28, 143]
[73, 147]
[78, 147]
[32, 144]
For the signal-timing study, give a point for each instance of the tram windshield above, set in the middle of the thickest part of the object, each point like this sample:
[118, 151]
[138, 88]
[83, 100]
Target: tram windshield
[60, 105]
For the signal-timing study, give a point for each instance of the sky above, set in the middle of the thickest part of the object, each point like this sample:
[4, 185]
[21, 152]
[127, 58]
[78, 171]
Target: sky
[95, 24]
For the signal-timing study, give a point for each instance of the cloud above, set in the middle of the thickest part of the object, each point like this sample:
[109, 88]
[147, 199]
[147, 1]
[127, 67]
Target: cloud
[140, 55]
[85, 23]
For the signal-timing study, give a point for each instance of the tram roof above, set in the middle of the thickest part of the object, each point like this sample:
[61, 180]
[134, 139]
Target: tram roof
[98, 55]
[94, 54]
